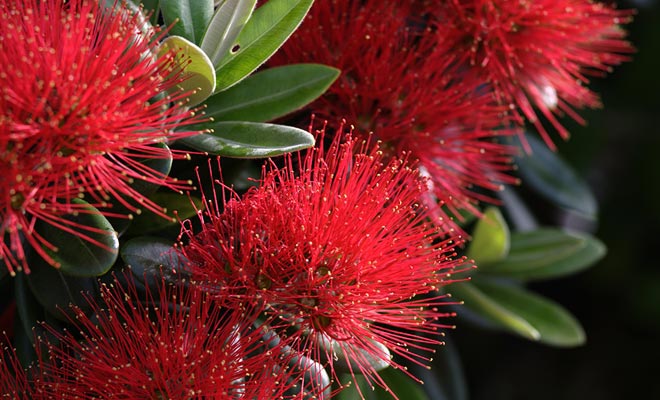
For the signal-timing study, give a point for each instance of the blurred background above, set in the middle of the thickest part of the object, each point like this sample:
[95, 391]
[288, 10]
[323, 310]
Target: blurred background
[618, 300]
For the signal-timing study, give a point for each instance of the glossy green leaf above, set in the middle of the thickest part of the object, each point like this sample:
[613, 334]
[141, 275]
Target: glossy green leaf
[483, 305]
[198, 79]
[271, 93]
[228, 21]
[402, 385]
[28, 309]
[78, 256]
[547, 253]
[490, 239]
[249, 139]
[55, 291]
[176, 205]
[161, 165]
[547, 173]
[522, 312]
[191, 17]
[148, 254]
[268, 28]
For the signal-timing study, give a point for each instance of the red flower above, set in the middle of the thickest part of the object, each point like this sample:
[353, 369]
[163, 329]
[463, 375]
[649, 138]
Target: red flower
[539, 54]
[80, 107]
[335, 250]
[400, 80]
[13, 379]
[170, 343]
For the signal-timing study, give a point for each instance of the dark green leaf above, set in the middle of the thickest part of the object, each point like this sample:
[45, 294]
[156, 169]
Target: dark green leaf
[547, 253]
[249, 139]
[553, 178]
[177, 205]
[160, 166]
[55, 291]
[271, 93]
[444, 380]
[23, 341]
[82, 252]
[401, 384]
[198, 72]
[268, 28]
[27, 307]
[490, 239]
[228, 21]
[522, 312]
[147, 254]
[191, 17]
[477, 301]
[152, 9]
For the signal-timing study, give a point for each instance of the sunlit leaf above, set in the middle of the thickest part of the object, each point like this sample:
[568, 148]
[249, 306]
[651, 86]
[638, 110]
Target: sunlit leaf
[268, 28]
[250, 139]
[520, 311]
[198, 79]
[490, 239]
[271, 93]
[547, 253]
[191, 17]
[228, 21]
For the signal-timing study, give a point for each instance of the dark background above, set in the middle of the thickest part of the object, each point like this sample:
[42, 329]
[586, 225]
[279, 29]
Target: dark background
[618, 300]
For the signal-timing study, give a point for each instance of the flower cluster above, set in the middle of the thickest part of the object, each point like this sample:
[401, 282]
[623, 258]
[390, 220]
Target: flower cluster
[538, 55]
[333, 264]
[444, 80]
[332, 254]
[166, 342]
[81, 107]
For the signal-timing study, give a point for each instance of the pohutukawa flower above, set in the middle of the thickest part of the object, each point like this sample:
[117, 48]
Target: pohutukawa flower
[400, 81]
[334, 253]
[168, 344]
[13, 379]
[82, 104]
[538, 55]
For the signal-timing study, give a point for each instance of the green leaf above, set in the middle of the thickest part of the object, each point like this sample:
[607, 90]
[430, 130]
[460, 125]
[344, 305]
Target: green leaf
[161, 165]
[403, 386]
[268, 28]
[271, 93]
[228, 21]
[553, 178]
[191, 17]
[522, 312]
[27, 307]
[483, 305]
[490, 239]
[150, 5]
[547, 253]
[148, 254]
[198, 79]
[443, 378]
[55, 291]
[91, 255]
[176, 204]
[249, 139]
